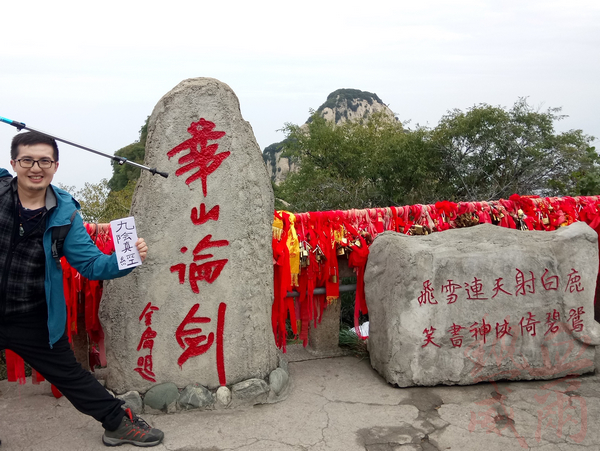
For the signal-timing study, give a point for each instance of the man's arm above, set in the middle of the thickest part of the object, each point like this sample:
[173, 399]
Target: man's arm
[83, 255]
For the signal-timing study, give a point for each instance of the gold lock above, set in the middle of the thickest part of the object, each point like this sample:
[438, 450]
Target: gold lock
[319, 255]
[304, 254]
[333, 278]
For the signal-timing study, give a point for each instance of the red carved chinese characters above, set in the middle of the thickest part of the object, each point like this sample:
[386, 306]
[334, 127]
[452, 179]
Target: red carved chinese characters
[550, 282]
[574, 282]
[575, 319]
[528, 324]
[451, 288]
[429, 337]
[144, 363]
[206, 243]
[551, 320]
[480, 330]
[205, 159]
[523, 285]
[499, 287]
[202, 217]
[426, 295]
[475, 290]
[503, 329]
[194, 342]
[456, 339]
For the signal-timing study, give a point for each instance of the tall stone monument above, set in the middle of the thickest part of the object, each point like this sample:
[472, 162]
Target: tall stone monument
[482, 303]
[198, 311]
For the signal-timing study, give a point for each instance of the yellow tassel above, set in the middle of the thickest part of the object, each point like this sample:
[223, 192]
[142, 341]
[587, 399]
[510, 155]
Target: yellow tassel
[293, 245]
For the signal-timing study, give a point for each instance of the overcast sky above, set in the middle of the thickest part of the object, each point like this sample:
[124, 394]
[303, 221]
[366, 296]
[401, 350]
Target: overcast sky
[91, 72]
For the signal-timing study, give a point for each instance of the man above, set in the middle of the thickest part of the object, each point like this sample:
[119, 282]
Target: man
[32, 303]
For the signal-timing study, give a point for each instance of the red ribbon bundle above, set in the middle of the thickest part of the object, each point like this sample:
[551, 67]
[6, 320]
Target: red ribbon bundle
[361, 226]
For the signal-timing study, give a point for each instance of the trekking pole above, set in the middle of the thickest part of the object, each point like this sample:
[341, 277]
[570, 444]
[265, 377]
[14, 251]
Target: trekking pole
[121, 160]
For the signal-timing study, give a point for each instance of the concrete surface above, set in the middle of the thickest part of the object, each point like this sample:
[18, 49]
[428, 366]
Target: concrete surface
[339, 403]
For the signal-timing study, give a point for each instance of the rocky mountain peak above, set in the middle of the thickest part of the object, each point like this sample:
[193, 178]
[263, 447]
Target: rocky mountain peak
[341, 105]
[351, 104]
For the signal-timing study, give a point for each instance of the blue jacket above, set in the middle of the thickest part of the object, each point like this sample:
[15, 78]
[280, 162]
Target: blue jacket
[80, 251]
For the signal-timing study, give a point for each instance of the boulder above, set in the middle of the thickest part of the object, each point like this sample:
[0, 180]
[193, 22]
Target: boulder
[199, 309]
[482, 303]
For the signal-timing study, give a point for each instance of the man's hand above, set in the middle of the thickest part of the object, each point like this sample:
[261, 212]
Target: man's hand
[142, 248]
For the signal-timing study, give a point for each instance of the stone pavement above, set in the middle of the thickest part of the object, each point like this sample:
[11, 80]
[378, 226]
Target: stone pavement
[339, 403]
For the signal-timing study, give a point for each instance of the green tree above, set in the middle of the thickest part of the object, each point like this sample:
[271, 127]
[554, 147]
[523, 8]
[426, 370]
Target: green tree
[490, 153]
[108, 200]
[358, 164]
[124, 173]
[100, 204]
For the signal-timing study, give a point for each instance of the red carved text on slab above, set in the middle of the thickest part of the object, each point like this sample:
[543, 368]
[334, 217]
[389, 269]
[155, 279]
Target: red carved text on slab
[552, 318]
[451, 288]
[499, 287]
[549, 282]
[145, 368]
[206, 243]
[426, 295]
[429, 337]
[475, 290]
[524, 286]
[529, 324]
[147, 313]
[194, 342]
[456, 339]
[205, 159]
[203, 216]
[574, 282]
[575, 318]
[144, 363]
[481, 331]
[503, 329]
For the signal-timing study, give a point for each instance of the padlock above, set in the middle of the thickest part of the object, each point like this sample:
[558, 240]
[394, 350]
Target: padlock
[304, 254]
[333, 278]
[319, 255]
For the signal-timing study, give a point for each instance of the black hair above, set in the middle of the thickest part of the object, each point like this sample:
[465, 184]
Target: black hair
[30, 139]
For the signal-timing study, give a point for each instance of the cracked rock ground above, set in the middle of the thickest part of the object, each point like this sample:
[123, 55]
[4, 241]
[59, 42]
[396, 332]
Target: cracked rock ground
[340, 404]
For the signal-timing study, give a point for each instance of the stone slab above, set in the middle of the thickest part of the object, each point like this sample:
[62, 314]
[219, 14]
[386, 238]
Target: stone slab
[199, 309]
[481, 304]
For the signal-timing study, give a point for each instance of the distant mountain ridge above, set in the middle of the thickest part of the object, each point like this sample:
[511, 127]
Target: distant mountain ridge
[341, 105]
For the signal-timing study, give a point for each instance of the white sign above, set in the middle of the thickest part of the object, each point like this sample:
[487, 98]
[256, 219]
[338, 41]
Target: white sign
[124, 236]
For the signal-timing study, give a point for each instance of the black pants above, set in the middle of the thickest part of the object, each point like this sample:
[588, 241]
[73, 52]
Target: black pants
[27, 335]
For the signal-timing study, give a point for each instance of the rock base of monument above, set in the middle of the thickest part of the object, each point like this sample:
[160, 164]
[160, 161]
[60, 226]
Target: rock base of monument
[168, 398]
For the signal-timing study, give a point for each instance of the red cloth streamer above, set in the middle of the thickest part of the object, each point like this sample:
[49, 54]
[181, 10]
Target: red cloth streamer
[320, 229]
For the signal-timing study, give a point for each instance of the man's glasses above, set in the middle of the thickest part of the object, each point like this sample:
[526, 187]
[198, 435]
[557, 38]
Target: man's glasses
[44, 163]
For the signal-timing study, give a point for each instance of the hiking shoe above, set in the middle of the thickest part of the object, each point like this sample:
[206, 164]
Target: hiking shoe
[133, 430]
